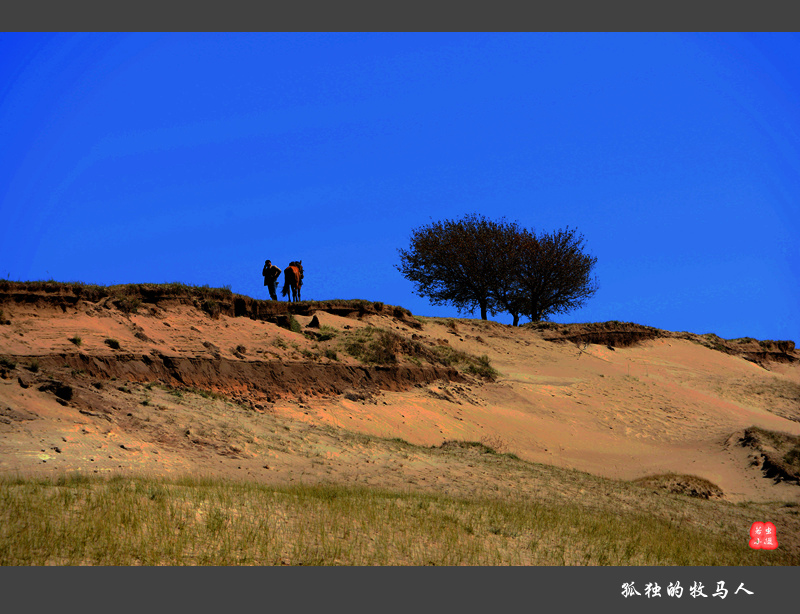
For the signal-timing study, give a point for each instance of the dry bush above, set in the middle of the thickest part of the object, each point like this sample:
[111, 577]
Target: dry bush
[495, 442]
[690, 485]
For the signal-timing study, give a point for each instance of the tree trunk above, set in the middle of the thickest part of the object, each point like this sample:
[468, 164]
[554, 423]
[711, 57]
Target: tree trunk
[516, 319]
[483, 311]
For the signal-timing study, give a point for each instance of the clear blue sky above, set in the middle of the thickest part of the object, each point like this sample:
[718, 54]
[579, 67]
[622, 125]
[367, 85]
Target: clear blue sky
[130, 158]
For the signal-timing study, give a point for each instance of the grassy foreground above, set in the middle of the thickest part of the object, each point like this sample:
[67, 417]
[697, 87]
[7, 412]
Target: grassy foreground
[78, 520]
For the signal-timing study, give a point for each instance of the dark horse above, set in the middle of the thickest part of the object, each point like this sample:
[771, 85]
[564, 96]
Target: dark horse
[293, 280]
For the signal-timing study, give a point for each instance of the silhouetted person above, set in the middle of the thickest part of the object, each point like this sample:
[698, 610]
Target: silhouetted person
[271, 274]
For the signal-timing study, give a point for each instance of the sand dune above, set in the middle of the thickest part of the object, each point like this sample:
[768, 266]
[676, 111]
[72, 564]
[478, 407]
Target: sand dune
[666, 404]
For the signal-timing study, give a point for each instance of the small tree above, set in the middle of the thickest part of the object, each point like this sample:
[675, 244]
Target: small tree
[451, 262]
[554, 275]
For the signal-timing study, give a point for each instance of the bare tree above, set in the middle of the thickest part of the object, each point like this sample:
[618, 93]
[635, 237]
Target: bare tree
[451, 262]
[554, 275]
[498, 266]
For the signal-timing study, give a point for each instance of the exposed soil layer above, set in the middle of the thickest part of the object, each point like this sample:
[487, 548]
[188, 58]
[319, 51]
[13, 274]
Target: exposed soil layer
[214, 301]
[265, 379]
[624, 334]
[777, 454]
[612, 334]
[760, 352]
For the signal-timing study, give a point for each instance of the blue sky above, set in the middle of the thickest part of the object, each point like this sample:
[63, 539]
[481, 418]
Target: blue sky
[132, 158]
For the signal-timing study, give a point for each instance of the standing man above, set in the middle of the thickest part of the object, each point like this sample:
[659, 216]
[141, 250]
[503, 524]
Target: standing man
[271, 274]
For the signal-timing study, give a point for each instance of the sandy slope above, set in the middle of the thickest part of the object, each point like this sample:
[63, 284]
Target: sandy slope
[666, 405]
